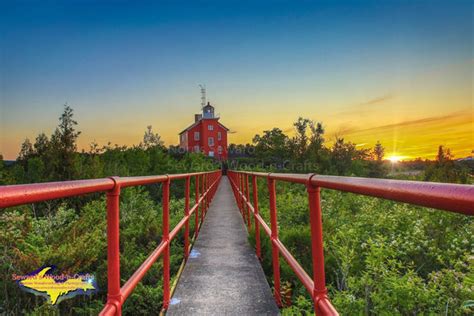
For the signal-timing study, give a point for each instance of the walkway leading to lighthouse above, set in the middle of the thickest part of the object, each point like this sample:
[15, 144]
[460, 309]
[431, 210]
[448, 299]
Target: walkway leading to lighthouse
[223, 275]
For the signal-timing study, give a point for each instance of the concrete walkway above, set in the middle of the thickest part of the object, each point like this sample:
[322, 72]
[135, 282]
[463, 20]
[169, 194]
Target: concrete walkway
[223, 275]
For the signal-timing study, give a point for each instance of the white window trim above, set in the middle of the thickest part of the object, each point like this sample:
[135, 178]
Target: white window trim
[197, 136]
[209, 141]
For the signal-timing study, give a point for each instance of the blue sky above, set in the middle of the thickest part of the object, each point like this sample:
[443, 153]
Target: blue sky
[123, 65]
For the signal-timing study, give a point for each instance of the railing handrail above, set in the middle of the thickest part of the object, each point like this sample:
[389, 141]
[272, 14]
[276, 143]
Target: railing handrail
[451, 197]
[457, 198]
[19, 194]
[205, 187]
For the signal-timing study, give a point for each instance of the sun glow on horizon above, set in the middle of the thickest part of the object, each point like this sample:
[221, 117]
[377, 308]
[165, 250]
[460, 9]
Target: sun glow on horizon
[396, 158]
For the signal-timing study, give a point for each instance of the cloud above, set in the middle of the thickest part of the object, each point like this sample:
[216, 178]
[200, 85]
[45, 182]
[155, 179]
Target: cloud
[422, 121]
[366, 106]
[420, 137]
[377, 100]
[344, 129]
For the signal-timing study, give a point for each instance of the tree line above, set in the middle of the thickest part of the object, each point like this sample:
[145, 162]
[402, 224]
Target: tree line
[56, 157]
[308, 151]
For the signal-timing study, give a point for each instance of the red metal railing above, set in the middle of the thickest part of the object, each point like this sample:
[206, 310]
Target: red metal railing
[205, 186]
[450, 197]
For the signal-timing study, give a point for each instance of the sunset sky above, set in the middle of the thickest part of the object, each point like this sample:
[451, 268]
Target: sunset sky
[396, 71]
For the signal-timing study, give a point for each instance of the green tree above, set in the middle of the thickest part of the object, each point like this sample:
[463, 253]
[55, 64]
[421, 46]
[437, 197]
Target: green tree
[35, 170]
[151, 139]
[272, 145]
[445, 168]
[3, 172]
[316, 153]
[300, 140]
[376, 165]
[26, 151]
[63, 146]
[41, 144]
[317, 132]
[342, 155]
[378, 152]
[444, 155]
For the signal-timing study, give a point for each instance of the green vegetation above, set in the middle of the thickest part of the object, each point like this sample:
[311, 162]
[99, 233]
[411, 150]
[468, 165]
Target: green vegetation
[382, 258]
[70, 233]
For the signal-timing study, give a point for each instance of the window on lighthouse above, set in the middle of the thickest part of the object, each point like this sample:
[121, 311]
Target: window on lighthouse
[219, 136]
[210, 141]
[210, 127]
[196, 135]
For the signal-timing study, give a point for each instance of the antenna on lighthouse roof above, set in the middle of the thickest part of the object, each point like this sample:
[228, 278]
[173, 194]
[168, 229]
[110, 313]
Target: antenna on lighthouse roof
[203, 95]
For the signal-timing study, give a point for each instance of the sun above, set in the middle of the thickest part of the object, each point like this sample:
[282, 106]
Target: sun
[395, 159]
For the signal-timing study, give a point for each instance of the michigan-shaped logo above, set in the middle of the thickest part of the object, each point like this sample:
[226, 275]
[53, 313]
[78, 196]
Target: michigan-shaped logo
[56, 288]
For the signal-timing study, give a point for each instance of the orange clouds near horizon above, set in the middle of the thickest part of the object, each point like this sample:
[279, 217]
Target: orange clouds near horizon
[405, 131]
[408, 139]
[420, 137]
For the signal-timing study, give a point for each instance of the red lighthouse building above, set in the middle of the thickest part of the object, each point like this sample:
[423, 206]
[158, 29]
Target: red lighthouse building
[206, 135]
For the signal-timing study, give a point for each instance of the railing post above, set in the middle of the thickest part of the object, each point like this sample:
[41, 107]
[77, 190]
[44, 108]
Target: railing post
[256, 223]
[237, 186]
[114, 295]
[203, 203]
[247, 196]
[274, 238]
[208, 193]
[242, 204]
[166, 237]
[186, 213]
[196, 212]
[216, 179]
[239, 198]
[234, 186]
[317, 251]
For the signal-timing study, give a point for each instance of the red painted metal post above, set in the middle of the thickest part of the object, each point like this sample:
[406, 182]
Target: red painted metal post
[207, 195]
[238, 184]
[256, 223]
[274, 238]
[166, 237]
[203, 203]
[234, 189]
[247, 196]
[114, 296]
[186, 213]
[230, 176]
[196, 197]
[242, 203]
[215, 177]
[237, 192]
[317, 252]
